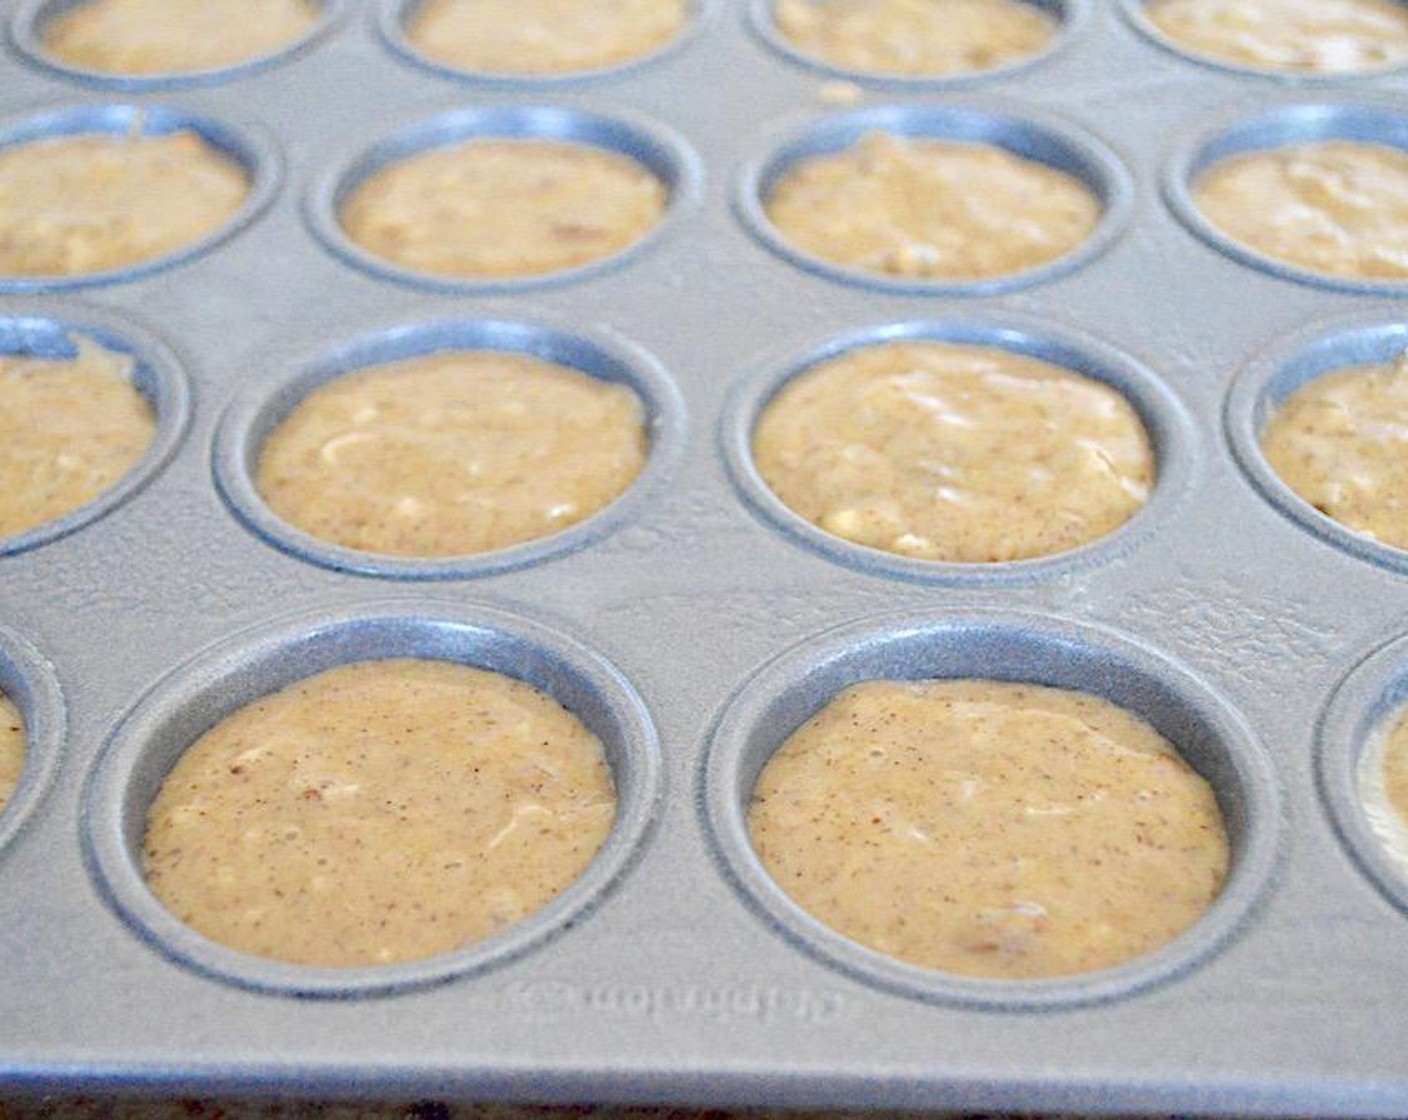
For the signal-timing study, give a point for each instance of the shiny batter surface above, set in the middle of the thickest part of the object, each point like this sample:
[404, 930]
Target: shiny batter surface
[915, 38]
[958, 453]
[989, 829]
[69, 430]
[1297, 36]
[1337, 207]
[81, 204]
[1396, 770]
[378, 812]
[12, 748]
[454, 453]
[544, 37]
[504, 208]
[930, 209]
[175, 36]
[1341, 443]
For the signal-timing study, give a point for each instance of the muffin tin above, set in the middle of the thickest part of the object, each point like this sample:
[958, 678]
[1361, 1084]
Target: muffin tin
[694, 623]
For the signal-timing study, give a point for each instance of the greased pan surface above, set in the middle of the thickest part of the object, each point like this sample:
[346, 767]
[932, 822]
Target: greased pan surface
[695, 624]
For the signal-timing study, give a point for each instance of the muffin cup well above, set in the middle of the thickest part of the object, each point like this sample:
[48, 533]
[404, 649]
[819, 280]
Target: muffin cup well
[1008, 646]
[46, 330]
[1170, 429]
[163, 723]
[254, 415]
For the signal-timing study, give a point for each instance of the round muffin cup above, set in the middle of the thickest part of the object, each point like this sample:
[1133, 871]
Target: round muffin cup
[999, 645]
[1135, 14]
[28, 680]
[1170, 429]
[1070, 15]
[31, 17]
[1279, 126]
[254, 415]
[1265, 383]
[657, 149]
[1020, 132]
[393, 17]
[1373, 693]
[153, 734]
[46, 330]
[251, 149]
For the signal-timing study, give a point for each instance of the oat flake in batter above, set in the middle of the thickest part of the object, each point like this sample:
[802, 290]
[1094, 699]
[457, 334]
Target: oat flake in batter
[504, 208]
[82, 204]
[1339, 207]
[931, 209]
[544, 37]
[967, 454]
[1296, 36]
[175, 36]
[1341, 443]
[69, 431]
[453, 453]
[380, 812]
[12, 749]
[915, 38]
[989, 829]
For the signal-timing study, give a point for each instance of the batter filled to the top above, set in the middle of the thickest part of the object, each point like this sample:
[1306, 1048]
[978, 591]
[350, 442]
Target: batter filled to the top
[1295, 36]
[82, 204]
[12, 749]
[1338, 207]
[504, 208]
[453, 453]
[380, 812]
[915, 38]
[70, 429]
[958, 453]
[1341, 443]
[931, 209]
[175, 36]
[1384, 777]
[544, 37]
[989, 829]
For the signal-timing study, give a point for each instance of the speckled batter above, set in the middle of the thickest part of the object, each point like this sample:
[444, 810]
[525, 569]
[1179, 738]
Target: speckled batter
[453, 453]
[379, 812]
[989, 829]
[504, 208]
[959, 453]
[1297, 36]
[928, 209]
[1341, 443]
[175, 36]
[915, 38]
[69, 430]
[81, 204]
[12, 749]
[1338, 207]
[544, 37]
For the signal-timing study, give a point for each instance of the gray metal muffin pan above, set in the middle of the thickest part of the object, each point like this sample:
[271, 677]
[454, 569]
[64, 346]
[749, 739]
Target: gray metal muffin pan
[694, 625]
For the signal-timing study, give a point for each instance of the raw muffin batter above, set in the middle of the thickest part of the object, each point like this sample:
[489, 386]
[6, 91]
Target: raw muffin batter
[989, 829]
[931, 209]
[1297, 36]
[915, 38]
[82, 204]
[69, 430]
[380, 812]
[12, 749]
[544, 37]
[1341, 443]
[175, 36]
[1338, 207]
[453, 453]
[503, 208]
[959, 453]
